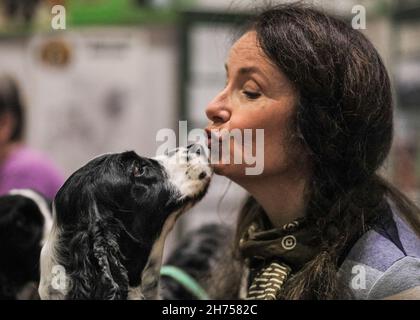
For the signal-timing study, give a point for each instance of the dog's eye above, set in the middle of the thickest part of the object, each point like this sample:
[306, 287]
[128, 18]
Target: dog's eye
[138, 170]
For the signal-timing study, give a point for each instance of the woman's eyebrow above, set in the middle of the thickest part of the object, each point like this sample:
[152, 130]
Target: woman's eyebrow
[248, 70]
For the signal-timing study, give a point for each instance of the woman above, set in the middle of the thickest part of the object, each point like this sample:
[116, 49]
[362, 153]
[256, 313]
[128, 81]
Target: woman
[320, 222]
[20, 166]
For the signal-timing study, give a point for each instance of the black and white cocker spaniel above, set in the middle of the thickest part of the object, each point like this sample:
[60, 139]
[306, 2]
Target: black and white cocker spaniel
[110, 221]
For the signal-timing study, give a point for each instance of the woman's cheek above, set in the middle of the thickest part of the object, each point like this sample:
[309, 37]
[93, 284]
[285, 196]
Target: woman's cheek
[277, 145]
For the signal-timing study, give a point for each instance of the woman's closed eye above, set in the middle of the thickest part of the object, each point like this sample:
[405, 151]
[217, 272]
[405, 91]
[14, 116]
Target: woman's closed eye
[252, 95]
[251, 89]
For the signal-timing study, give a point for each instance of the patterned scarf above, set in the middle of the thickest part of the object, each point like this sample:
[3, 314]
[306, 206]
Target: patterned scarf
[273, 255]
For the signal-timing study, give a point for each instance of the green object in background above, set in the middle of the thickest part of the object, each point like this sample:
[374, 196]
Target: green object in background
[111, 12]
[185, 280]
[99, 13]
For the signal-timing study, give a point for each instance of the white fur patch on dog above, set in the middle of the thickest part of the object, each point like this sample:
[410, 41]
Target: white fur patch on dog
[184, 170]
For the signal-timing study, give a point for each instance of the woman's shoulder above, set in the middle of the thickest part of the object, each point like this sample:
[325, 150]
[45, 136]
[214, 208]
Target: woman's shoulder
[385, 261]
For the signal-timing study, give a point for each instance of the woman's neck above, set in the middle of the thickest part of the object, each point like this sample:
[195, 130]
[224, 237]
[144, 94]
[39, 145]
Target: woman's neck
[282, 198]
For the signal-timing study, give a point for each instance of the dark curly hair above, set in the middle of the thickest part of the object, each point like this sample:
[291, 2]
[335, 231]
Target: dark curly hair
[344, 121]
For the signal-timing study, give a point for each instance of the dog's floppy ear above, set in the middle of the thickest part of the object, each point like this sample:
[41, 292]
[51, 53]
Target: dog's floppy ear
[96, 260]
[113, 282]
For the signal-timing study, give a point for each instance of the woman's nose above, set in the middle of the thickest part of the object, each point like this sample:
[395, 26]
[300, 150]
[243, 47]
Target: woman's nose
[217, 110]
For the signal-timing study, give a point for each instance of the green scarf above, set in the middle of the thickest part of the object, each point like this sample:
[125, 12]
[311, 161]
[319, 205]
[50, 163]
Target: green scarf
[274, 254]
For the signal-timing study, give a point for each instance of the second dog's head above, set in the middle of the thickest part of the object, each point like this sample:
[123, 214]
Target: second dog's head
[111, 218]
[25, 221]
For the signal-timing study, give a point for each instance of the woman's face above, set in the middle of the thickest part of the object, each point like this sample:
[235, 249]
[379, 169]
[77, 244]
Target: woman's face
[256, 96]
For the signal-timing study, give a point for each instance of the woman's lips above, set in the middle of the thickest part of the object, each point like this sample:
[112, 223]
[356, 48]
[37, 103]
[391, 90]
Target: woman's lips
[212, 135]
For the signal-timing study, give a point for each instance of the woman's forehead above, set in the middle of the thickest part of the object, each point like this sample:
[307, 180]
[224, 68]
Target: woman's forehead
[247, 54]
[246, 50]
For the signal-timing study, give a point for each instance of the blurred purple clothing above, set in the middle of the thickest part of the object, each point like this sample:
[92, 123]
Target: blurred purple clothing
[29, 169]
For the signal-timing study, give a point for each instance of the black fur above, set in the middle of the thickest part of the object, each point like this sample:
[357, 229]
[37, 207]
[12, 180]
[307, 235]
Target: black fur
[21, 232]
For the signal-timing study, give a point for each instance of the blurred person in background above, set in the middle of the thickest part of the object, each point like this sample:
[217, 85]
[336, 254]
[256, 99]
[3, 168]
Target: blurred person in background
[20, 166]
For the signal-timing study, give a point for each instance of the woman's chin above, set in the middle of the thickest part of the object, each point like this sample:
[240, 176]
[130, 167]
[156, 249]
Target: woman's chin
[223, 169]
[218, 168]
[230, 171]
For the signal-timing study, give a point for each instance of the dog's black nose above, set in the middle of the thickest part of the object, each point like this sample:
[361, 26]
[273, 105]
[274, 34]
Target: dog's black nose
[202, 175]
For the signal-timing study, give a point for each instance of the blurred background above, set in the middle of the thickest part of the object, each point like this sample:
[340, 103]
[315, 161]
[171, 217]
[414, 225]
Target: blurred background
[123, 69]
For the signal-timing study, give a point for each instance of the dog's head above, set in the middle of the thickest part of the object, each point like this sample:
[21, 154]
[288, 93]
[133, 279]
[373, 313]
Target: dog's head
[25, 220]
[110, 221]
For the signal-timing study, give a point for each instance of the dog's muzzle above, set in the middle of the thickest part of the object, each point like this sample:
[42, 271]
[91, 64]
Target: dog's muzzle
[188, 170]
